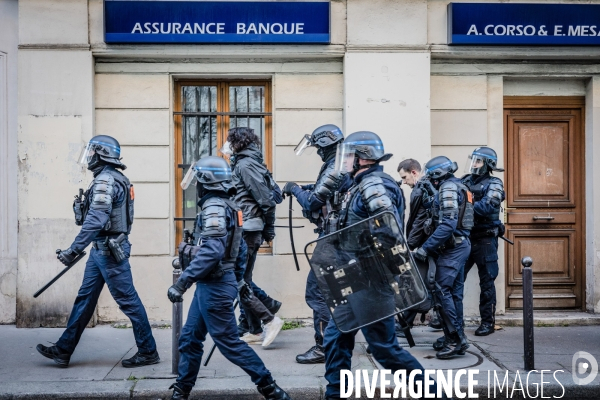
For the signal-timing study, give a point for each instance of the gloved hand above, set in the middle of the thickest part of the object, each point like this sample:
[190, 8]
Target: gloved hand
[175, 293]
[245, 291]
[420, 254]
[66, 256]
[268, 232]
[287, 189]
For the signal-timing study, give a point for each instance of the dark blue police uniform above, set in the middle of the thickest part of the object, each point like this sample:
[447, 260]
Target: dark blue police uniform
[488, 194]
[312, 207]
[211, 310]
[107, 217]
[450, 246]
[381, 335]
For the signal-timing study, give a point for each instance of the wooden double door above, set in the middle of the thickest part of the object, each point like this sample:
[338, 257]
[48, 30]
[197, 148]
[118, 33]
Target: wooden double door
[545, 204]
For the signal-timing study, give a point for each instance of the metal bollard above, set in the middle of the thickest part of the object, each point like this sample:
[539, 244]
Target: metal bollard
[528, 313]
[177, 322]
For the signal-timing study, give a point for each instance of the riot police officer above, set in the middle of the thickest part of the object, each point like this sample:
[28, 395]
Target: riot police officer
[488, 195]
[320, 205]
[105, 213]
[212, 269]
[372, 192]
[449, 244]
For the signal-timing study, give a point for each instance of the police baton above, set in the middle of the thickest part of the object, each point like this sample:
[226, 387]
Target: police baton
[57, 277]
[506, 240]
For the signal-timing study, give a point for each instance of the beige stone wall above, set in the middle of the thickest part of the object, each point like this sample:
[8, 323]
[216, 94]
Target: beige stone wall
[133, 102]
[466, 112]
[55, 116]
[8, 160]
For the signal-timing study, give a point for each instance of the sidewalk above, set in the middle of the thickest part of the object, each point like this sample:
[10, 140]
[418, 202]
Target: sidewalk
[95, 371]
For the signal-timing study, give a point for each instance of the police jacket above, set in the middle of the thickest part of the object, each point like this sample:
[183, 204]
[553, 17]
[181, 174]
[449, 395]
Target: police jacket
[488, 195]
[108, 208]
[372, 192]
[313, 198]
[448, 204]
[415, 232]
[254, 190]
[219, 248]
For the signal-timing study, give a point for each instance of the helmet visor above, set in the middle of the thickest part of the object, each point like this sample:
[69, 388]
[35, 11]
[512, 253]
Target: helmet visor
[87, 152]
[303, 145]
[189, 176]
[344, 157]
[475, 165]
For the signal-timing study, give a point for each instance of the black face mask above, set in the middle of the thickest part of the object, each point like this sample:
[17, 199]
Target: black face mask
[200, 192]
[326, 153]
[94, 162]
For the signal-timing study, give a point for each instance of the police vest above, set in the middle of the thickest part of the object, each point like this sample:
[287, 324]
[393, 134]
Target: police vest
[187, 251]
[466, 212]
[479, 191]
[121, 215]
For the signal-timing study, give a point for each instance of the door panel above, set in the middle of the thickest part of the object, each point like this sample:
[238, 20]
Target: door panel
[545, 199]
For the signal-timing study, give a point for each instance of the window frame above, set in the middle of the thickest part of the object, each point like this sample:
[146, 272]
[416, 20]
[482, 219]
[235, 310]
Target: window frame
[223, 116]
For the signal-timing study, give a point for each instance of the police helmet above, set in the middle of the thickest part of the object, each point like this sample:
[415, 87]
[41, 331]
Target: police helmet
[367, 146]
[439, 167]
[212, 170]
[101, 147]
[482, 160]
[322, 137]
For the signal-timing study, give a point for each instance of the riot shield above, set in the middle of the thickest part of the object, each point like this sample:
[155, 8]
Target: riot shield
[366, 272]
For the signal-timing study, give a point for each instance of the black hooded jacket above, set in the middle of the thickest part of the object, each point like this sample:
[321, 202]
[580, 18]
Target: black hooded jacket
[251, 178]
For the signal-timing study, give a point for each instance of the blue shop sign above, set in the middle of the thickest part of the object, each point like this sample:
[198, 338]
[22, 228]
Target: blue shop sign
[523, 24]
[131, 21]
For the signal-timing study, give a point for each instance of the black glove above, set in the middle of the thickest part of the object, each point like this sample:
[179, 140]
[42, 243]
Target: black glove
[66, 256]
[420, 254]
[287, 189]
[268, 233]
[245, 291]
[175, 293]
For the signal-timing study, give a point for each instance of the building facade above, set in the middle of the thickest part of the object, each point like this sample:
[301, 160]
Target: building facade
[389, 68]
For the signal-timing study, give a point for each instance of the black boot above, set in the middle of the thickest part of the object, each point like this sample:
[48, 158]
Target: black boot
[439, 343]
[314, 355]
[55, 353]
[141, 359]
[178, 392]
[484, 329]
[273, 392]
[455, 345]
[435, 323]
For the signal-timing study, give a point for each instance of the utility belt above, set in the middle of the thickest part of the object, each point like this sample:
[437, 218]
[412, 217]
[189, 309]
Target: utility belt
[187, 253]
[452, 242]
[111, 246]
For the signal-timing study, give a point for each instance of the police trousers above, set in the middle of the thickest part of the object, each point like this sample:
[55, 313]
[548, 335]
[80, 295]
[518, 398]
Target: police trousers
[484, 253]
[450, 281]
[101, 269]
[383, 344]
[211, 312]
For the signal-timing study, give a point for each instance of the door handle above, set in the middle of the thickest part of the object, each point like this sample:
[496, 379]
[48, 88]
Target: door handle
[548, 218]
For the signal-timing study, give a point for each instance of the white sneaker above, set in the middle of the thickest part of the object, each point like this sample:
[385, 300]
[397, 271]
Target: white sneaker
[252, 339]
[271, 330]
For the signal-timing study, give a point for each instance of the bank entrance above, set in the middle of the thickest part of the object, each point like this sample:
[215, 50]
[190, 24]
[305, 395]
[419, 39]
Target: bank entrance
[545, 214]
